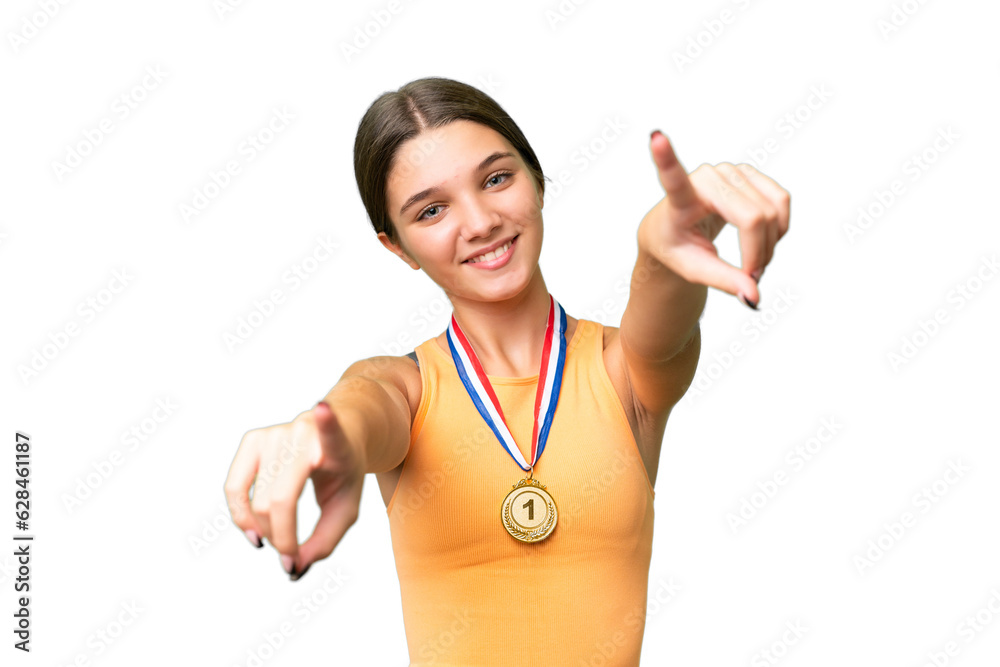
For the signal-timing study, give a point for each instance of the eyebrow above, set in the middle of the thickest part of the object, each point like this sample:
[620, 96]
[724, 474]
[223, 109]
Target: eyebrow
[434, 190]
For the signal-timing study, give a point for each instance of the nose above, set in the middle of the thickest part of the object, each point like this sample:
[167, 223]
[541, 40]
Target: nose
[480, 219]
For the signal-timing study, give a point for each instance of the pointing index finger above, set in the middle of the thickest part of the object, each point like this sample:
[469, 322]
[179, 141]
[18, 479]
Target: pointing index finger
[673, 178]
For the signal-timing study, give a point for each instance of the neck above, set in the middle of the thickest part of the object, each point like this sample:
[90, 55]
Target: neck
[507, 335]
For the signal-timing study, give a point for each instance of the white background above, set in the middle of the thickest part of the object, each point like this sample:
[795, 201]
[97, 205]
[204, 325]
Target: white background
[155, 531]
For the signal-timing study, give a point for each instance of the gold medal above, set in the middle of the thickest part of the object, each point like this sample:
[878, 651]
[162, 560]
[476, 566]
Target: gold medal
[529, 511]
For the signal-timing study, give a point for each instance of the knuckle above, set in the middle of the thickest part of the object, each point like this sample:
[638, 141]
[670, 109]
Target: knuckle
[261, 508]
[266, 471]
[241, 519]
[305, 415]
[281, 503]
[250, 436]
[730, 175]
[240, 516]
[303, 429]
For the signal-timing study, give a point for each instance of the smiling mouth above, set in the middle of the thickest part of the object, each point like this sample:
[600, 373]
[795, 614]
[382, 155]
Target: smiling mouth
[499, 252]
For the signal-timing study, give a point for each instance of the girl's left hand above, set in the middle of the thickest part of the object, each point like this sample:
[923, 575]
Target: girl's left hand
[679, 231]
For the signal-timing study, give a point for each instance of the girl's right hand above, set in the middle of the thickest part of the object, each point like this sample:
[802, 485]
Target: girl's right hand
[276, 461]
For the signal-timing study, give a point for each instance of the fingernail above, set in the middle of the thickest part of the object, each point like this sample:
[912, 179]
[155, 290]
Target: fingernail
[748, 302]
[653, 134]
[757, 274]
[288, 562]
[296, 577]
[254, 538]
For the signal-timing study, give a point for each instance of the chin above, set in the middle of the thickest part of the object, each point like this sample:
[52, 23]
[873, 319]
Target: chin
[497, 289]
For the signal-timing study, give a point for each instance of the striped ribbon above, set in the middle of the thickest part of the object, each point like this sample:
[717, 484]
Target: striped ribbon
[481, 391]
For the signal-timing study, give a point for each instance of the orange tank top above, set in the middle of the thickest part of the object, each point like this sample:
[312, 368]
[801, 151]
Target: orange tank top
[474, 595]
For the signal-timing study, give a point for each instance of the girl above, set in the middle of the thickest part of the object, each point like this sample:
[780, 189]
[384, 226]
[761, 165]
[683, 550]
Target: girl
[546, 562]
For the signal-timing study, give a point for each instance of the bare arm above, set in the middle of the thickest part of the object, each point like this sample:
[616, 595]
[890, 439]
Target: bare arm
[363, 425]
[372, 401]
[678, 261]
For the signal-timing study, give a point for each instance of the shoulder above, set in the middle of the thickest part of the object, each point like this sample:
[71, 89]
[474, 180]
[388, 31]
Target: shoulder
[400, 372]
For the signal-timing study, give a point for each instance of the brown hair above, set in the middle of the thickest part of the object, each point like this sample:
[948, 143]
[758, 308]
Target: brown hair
[397, 116]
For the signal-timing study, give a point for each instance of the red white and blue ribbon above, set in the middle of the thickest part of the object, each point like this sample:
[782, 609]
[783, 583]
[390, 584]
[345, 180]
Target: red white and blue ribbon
[546, 398]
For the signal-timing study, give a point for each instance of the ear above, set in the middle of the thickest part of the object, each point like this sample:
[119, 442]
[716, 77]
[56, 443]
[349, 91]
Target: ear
[397, 250]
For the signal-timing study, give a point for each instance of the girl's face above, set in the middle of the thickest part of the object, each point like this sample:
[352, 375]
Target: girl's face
[455, 192]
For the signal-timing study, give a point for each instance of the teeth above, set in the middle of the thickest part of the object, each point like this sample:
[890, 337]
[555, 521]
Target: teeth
[493, 254]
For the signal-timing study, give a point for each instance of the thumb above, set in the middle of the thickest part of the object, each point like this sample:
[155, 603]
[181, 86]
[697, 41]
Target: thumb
[338, 493]
[704, 266]
[338, 513]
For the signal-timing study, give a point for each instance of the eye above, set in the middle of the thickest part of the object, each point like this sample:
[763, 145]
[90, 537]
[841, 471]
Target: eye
[504, 175]
[500, 174]
[423, 213]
